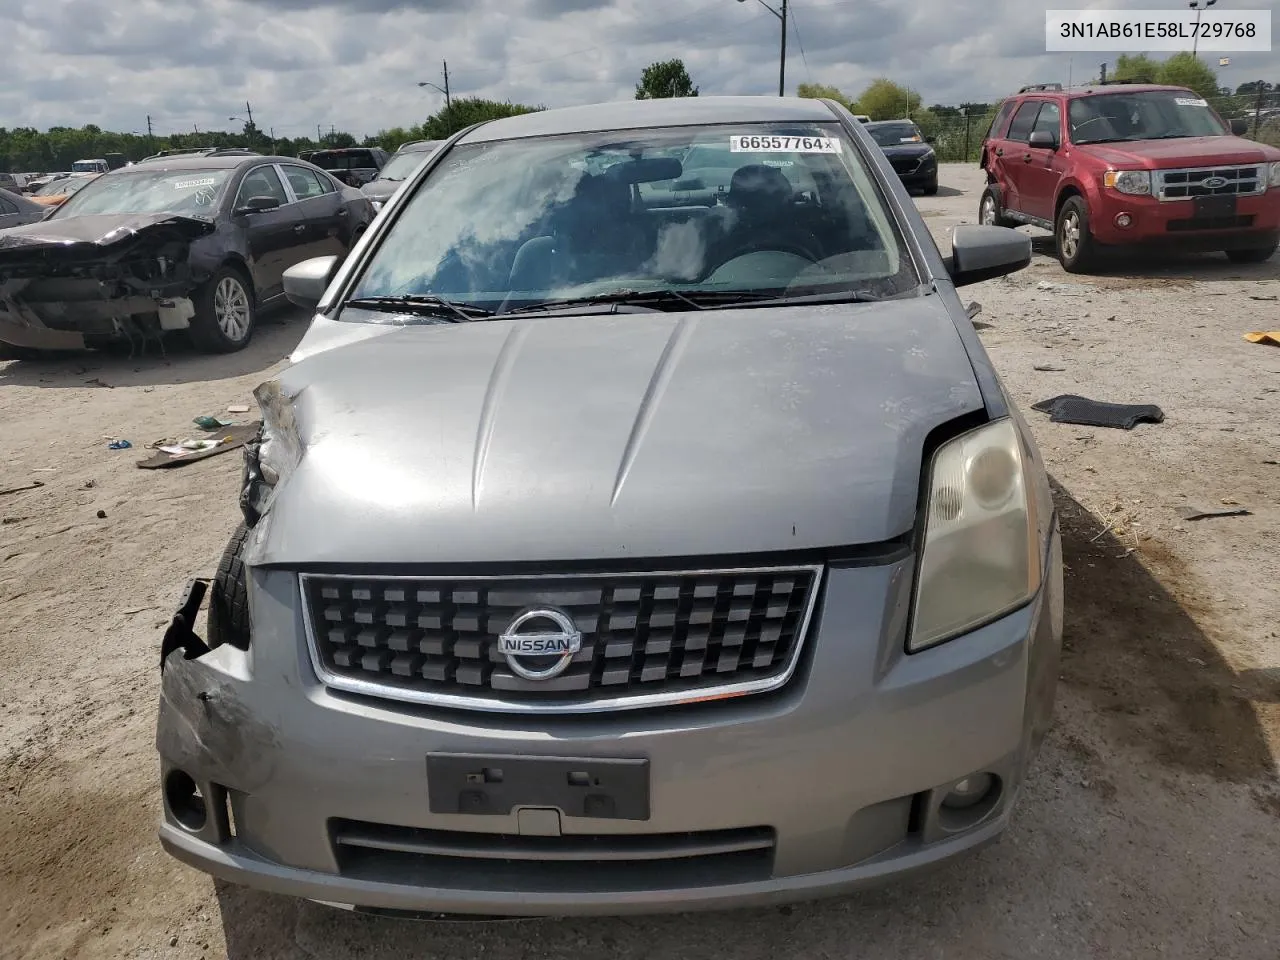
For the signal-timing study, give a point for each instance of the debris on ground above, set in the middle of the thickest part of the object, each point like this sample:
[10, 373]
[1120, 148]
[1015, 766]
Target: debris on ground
[96, 382]
[1270, 298]
[179, 454]
[238, 408]
[1267, 336]
[30, 486]
[211, 423]
[119, 445]
[1194, 513]
[1069, 408]
[1049, 368]
[102, 514]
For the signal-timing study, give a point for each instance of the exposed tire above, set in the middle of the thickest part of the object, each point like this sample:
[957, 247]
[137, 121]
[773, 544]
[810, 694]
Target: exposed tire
[931, 188]
[225, 312]
[991, 210]
[229, 596]
[1253, 254]
[1077, 250]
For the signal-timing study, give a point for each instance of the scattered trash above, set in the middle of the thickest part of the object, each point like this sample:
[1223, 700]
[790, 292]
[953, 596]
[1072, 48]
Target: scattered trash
[1194, 513]
[1226, 502]
[162, 442]
[1272, 463]
[973, 309]
[8, 520]
[95, 382]
[119, 445]
[148, 389]
[238, 408]
[102, 514]
[1048, 368]
[90, 484]
[211, 423]
[1268, 336]
[1069, 408]
[180, 454]
[1271, 298]
[30, 486]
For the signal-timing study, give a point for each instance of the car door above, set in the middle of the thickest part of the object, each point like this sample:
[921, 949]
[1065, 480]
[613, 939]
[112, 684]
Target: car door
[1042, 168]
[322, 208]
[9, 215]
[1010, 152]
[271, 235]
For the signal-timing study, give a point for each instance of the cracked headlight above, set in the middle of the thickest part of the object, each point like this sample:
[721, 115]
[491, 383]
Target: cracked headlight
[271, 456]
[1136, 183]
[980, 557]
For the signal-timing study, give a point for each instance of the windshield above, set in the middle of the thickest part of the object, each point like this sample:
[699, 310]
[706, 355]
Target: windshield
[1152, 115]
[344, 160]
[402, 165]
[87, 166]
[892, 134]
[178, 191]
[757, 209]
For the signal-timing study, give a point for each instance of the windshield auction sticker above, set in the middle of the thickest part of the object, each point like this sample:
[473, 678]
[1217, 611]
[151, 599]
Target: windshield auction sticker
[189, 184]
[1153, 31]
[766, 144]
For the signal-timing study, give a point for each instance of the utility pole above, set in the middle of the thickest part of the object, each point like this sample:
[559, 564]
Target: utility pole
[248, 110]
[1257, 109]
[148, 126]
[965, 113]
[782, 62]
[1103, 79]
[448, 102]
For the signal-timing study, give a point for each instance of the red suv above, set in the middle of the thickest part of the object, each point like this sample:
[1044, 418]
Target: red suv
[1129, 165]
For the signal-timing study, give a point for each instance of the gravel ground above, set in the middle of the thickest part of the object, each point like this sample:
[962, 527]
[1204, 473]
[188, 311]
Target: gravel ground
[1149, 827]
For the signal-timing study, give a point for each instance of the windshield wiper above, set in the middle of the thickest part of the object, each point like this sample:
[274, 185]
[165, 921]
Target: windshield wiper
[658, 299]
[423, 305]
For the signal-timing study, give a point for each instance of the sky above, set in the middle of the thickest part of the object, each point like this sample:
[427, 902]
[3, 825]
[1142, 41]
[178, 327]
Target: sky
[356, 64]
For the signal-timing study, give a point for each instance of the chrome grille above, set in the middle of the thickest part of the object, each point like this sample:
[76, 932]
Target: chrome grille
[647, 638]
[1222, 182]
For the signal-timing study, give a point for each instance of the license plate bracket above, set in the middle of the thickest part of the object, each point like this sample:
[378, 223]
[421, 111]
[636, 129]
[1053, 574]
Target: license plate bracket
[1215, 207]
[497, 785]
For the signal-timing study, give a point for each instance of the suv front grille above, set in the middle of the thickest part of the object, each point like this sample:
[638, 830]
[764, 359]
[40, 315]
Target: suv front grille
[647, 638]
[1191, 183]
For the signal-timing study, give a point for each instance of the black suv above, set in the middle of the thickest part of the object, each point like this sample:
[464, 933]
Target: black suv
[354, 166]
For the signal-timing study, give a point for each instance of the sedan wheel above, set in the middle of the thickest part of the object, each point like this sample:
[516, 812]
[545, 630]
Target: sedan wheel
[231, 307]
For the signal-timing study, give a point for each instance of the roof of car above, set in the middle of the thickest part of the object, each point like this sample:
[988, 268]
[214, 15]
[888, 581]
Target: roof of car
[638, 114]
[1124, 88]
[885, 123]
[212, 162]
[419, 146]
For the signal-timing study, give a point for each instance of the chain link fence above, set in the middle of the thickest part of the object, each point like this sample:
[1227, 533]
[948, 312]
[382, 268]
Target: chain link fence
[959, 139]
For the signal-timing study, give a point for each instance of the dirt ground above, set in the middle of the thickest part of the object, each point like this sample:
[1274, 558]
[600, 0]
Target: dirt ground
[1151, 824]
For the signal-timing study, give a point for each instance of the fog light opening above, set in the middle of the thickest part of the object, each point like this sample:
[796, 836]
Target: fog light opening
[967, 802]
[185, 802]
[1124, 221]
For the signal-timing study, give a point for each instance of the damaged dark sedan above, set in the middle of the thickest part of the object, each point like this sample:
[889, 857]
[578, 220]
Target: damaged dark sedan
[197, 244]
[606, 551]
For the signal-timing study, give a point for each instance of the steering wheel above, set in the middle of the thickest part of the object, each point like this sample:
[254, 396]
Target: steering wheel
[791, 246]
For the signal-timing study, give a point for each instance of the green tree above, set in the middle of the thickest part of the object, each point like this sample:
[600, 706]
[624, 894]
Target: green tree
[885, 100]
[1185, 70]
[461, 114]
[1138, 67]
[1250, 89]
[820, 91]
[665, 79]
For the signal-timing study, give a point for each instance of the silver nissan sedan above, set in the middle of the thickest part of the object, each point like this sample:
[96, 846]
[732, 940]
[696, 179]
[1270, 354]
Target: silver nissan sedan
[639, 527]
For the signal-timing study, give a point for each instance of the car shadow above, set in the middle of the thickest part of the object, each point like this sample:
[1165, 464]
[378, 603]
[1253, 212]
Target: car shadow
[1119, 263]
[1138, 672]
[943, 191]
[276, 336]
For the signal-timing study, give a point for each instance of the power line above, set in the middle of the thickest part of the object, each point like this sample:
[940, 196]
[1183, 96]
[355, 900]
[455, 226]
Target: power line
[796, 24]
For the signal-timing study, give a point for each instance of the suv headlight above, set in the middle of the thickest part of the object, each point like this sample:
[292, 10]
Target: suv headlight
[1274, 179]
[1133, 182]
[980, 557]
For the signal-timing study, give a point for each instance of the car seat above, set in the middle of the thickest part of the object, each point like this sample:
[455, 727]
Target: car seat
[762, 215]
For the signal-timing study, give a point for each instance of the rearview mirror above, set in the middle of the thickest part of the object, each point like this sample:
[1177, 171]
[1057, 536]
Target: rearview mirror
[258, 204]
[306, 282]
[1044, 140]
[1239, 127]
[982, 253]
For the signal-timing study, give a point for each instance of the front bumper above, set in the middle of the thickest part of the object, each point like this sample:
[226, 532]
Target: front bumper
[843, 771]
[1173, 223]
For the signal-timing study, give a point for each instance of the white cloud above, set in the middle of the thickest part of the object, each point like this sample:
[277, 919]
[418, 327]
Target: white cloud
[356, 63]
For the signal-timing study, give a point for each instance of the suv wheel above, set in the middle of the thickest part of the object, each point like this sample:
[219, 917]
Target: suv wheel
[225, 312]
[990, 210]
[1077, 249]
[1253, 254]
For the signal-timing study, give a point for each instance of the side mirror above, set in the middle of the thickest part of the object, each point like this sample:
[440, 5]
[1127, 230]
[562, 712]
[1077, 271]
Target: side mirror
[306, 282]
[983, 253]
[258, 204]
[1239, 127]
[1044, 140]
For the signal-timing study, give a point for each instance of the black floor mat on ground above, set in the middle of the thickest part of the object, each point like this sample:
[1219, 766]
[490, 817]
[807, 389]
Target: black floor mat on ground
[1068, 408]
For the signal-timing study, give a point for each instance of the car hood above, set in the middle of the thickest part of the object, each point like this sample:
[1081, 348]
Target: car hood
[102, 230]
[630, 436]
[906, 149]
[381, 189]
[1181, 152]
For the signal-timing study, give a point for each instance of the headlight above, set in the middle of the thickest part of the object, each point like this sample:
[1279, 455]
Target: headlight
[1134, 182]
[980, 556]
[1275, 175]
